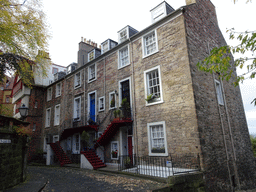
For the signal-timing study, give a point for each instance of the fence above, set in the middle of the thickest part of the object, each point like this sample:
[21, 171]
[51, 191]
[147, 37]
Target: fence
[160, 166]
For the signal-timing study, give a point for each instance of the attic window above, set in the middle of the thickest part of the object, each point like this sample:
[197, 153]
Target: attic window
[91, 55]
[123, 36]
[105, 47]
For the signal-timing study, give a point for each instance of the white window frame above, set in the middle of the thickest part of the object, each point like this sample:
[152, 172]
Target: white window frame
[117, 144]
[55, 136]
[75, 108]
[89, 73]
[158, 13]
[74, 144]
[113, 92]
[49, 94]
[56, 119]
[120, 39]
[77, 82]
[149, 127]
[144, 54]
[91, 52]
[46, 140]
[48, 117]
[58, 90]
[146, 84]
[120, 93]
[102, 47]
[219, 92]
[89, 106]
[120, 66]
[102, 103]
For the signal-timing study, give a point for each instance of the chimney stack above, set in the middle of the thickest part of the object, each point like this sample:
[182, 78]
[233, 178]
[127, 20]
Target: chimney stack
[188, 2]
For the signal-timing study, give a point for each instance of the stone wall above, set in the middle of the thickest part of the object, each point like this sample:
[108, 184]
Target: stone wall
[224, 138]
[12, 160]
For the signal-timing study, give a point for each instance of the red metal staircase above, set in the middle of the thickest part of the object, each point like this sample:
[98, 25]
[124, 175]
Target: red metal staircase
[111, 131]
[95, 161]
[60, 154]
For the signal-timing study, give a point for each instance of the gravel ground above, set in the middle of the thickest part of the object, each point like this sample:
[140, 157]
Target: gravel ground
[73, 179]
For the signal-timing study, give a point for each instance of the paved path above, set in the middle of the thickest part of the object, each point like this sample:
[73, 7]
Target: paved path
[74, 179]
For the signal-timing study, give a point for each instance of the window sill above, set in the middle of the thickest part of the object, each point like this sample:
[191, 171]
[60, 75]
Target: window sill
[89, 81]
[101, 110]
[123, 66]
[112, 108]
[57, 96]
[145, 56]
[154, 103]
[78, 86]
[158, 154]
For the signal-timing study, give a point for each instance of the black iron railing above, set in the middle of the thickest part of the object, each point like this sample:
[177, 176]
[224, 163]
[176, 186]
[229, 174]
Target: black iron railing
[160, 166]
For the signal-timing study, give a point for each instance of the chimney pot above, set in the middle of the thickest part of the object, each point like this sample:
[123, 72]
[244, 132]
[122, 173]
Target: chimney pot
[188, 2]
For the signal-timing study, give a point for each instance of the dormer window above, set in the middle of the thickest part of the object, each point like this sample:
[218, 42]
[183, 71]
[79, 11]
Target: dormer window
[69, 69]
[123, 36]
[91, 55]
[107, 45]
[160, 11]
[126, 33]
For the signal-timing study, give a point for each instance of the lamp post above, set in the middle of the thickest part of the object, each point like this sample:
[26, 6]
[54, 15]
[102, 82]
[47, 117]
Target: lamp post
[23, 111]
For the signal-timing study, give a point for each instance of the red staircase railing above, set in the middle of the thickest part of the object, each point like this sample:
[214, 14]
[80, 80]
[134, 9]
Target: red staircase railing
[95, 161]
[60, 154]
[111, 131]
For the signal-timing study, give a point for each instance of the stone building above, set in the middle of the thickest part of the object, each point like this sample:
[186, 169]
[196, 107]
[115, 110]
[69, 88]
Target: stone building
[172, 107]
[6, 106]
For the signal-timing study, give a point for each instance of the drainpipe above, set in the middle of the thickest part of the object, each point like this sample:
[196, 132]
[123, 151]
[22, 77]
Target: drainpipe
[84, 98]
[223, 133]
[231, 136]
[222, 127]
[134, 108]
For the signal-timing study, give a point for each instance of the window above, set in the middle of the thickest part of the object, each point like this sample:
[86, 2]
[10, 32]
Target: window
[77, 109]
[92, 73]
[102, 103]
[114, 150]
[46, 141]
[158, 13]
[153, 86]
[150, 45]
[58, 90]
[157, 139]
[77, 80]
[123, 36]
[124, 57]
[57, 115]
[219, 92]
[69, 69]
[54, 70]
[105, 47]
[48, 117]
[112, 100]
[7, 99]
[34, 127]
[49, 94]
[36, 104]
[91, 55]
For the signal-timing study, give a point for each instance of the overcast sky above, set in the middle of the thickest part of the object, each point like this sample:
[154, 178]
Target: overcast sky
[100, 19]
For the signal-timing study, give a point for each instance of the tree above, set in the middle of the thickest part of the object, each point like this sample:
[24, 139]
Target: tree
[253, 141]
[219, 59]
[23, 38]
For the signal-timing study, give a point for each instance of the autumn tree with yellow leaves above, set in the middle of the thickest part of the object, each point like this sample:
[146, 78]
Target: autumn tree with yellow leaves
[23, 38]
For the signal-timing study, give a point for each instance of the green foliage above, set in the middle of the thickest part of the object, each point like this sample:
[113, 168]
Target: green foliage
[149, 97]
[85, 136]
[23, 38]
[117, 113]
[125, 104]
[253, 141]
[220, 61]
